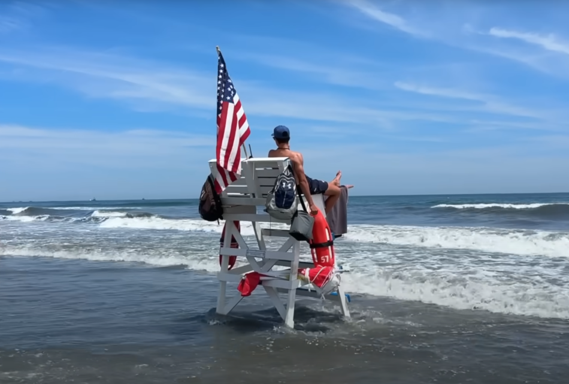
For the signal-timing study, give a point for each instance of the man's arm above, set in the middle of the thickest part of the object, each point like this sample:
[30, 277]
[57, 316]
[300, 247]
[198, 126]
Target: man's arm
[298, 167]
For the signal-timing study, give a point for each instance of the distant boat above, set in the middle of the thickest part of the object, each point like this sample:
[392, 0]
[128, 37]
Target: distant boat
[93, 199]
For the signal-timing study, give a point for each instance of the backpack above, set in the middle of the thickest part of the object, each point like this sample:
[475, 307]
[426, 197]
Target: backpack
[210, 207]
[282, 200]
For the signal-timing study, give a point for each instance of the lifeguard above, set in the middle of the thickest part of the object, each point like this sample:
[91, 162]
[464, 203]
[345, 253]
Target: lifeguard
[308, 186]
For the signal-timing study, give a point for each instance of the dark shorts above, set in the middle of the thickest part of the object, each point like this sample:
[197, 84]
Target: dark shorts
[316, 186]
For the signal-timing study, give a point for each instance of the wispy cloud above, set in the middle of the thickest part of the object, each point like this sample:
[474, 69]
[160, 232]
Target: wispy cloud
[458, 27]
[346, 74]
[429, 102]
[390, 19]
[456, 94]
[489, 102]
[129, 148]
[53, 163]
[19, 15]
[149, 84]
[482, 168]
[559, 142]
[477, 125]
[549, 42]
[9, 24]
[118, 77]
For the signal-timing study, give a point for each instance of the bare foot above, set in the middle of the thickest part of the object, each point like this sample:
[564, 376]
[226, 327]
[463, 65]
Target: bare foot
[337, 178]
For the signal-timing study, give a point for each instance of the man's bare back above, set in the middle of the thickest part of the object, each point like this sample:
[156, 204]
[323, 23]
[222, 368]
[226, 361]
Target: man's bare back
[295, 157]
[297, 161]
[307, 185]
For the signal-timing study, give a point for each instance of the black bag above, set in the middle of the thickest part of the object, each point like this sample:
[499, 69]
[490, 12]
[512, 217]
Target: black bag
[302, 223]
[210, 207]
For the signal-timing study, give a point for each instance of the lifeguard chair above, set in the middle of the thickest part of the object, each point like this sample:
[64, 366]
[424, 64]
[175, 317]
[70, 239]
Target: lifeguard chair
[242, 200]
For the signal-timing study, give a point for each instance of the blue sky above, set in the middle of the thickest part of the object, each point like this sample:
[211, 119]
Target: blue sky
[116, 100]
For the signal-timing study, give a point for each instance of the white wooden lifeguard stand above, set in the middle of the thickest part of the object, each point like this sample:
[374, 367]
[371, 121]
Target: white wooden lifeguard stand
[241, 200]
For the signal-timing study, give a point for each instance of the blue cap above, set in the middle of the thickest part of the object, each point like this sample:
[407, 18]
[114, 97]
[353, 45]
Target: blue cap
[281, 132]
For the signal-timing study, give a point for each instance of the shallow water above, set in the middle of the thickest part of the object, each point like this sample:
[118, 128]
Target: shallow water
[66, 321]
[112, 292]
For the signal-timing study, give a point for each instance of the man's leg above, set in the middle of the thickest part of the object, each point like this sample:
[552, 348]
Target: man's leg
[333, 192]
[330, 189]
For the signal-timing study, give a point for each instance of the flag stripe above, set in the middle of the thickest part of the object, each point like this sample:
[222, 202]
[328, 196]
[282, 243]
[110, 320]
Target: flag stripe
[230, 136]
[232, 129]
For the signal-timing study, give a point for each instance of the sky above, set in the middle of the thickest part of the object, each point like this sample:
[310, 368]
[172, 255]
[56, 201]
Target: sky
[117, 99]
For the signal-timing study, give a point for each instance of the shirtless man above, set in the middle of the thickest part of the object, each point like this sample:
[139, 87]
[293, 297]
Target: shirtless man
[308, 186]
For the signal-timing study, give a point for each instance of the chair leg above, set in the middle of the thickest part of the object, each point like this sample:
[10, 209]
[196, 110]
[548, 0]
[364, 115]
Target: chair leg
[289, 319]
[343, 302]
[221, 297]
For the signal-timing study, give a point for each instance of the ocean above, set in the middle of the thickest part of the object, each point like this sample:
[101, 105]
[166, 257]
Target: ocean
[444, 289]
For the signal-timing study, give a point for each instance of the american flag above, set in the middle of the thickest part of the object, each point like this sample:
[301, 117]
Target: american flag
[232, 128]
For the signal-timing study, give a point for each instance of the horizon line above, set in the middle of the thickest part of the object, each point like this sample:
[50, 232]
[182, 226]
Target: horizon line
[197, 198]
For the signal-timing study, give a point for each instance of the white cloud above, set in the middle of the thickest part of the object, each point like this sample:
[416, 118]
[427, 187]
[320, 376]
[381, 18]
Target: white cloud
[149, 85]
[19, 15]
[455, 94]
[119, 77]
[552, 141]
[479, 168]
[8, 24]
[390, 19]
[490, 103]
[67, 163]
[122, 149]
[345, 75]
[549, 42]
[457, 26]
[494, 125]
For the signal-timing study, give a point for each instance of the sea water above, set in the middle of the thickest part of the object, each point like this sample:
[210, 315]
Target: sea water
[458, 288]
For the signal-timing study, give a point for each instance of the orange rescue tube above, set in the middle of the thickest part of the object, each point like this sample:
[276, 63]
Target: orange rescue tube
[322, 243]
[234, 244]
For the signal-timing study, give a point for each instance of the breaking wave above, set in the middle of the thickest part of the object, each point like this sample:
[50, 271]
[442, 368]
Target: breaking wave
[511, 241]
[464, 267]
[68, 214]
[520, 242]
[459, 285]
[159, 257]
[501, 206]
[540, 211]
[465, 293]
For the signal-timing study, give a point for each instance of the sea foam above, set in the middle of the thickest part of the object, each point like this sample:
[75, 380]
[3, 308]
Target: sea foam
[498, 205]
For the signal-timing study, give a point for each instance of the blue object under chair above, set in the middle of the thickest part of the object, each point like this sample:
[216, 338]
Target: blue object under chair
[345, 294]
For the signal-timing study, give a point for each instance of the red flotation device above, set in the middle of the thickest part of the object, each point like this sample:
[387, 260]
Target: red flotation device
[234, 244]
[322, 243]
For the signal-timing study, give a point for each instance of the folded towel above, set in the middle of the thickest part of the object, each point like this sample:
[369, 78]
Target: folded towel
[338, 216]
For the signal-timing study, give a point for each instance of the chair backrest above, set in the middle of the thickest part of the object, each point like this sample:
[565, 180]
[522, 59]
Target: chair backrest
[258, 177]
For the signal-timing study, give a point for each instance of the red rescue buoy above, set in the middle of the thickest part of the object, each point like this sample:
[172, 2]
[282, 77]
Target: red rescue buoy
[234, 244]
[322, 243]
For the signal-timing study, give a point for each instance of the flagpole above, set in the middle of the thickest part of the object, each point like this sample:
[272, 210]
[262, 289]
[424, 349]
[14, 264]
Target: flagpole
[244, 147]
